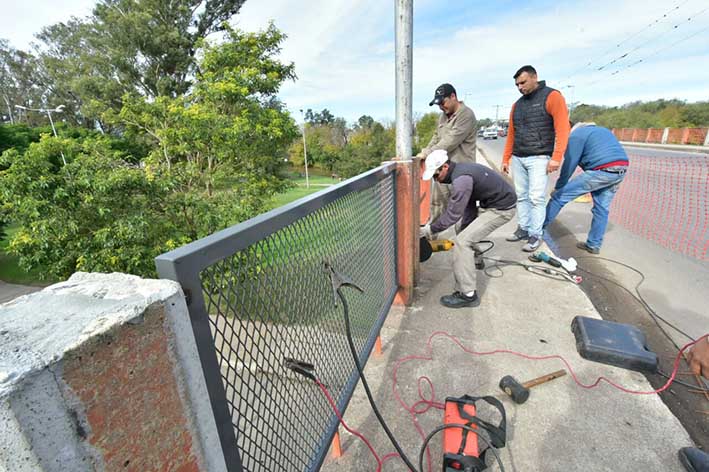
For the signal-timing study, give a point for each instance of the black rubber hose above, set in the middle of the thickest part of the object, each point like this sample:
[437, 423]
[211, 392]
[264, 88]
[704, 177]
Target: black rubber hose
[366, 386]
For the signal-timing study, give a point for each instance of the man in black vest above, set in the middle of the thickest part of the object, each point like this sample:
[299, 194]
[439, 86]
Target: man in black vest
[536, 141]
[470, 183]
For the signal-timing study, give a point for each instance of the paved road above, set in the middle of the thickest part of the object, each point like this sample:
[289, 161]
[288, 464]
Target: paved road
[10, 291]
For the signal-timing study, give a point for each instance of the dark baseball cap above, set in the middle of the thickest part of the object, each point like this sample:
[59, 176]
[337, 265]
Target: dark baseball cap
[443, 91]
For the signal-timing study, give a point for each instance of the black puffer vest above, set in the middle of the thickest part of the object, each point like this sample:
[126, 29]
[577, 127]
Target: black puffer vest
[533, 125]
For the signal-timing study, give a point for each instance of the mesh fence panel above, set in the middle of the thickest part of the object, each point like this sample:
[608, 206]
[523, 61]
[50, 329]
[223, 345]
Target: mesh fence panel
[666, 200]
[273, 300]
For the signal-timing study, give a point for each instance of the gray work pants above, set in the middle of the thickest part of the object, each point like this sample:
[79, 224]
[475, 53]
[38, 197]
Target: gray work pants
[466, 250]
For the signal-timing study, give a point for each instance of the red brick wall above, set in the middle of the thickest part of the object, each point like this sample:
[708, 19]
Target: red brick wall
[654, 135]
[126, 384]
[675, 136]
[695, 136]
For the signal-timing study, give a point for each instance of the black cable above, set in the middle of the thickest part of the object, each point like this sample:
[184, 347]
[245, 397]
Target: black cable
[541, 270]
[348, 332]
[485, 241]
[695, 387]
[461, 426]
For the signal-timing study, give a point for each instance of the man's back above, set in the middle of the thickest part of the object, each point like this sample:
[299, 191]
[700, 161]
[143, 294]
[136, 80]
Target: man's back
[599, 146]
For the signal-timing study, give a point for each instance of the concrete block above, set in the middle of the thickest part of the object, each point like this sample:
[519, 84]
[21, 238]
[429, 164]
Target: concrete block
[101, 372]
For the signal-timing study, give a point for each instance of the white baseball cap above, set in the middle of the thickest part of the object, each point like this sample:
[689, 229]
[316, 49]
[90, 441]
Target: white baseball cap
[433, 162]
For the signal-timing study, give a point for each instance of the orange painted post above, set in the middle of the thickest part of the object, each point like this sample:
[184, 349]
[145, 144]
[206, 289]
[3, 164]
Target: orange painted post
[336, 447]
[378, 346]
[407, 227]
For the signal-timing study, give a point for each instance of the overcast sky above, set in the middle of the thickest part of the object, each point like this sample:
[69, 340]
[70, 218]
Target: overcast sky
[344, 49]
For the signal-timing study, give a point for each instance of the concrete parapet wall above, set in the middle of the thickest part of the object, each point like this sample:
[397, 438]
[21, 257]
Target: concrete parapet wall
[101, 372]
[692, 136]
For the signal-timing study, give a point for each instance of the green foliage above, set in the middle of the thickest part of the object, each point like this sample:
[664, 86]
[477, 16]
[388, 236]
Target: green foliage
[100, 213]
[655, 114]
[425, 127]
[182, 167]
[127, 47]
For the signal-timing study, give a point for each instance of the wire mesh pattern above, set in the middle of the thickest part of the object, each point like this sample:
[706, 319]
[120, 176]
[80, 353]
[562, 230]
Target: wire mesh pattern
[273, 300]
[666, 200]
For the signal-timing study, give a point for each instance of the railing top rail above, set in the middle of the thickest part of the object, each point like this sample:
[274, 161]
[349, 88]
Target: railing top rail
[215, 247]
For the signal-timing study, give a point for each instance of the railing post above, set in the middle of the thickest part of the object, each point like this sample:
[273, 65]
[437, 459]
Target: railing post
[407, 224]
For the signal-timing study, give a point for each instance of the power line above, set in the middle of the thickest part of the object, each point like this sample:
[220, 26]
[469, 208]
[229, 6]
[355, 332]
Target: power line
[657, 51]
[651, 40]
[649, 25]
[654, 53]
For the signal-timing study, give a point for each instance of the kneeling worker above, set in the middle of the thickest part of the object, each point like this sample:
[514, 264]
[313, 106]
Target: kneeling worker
[471, 183]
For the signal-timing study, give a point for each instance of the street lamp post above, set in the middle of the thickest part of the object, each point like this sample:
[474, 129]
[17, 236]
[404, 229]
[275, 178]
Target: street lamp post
[48, 111]
[305, 152]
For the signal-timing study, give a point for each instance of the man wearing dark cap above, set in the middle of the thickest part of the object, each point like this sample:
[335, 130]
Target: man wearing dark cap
[454, 134]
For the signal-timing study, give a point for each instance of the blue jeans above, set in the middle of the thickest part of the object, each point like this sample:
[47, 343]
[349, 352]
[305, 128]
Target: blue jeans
[602, 185]
[530, 177]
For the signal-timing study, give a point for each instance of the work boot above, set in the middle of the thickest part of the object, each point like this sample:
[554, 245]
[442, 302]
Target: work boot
[460, 300]
[518, 235]
[532, 245]
[694, 459]
[586, 247]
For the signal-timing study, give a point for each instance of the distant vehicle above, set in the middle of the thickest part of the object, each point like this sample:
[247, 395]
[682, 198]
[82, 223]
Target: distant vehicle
[480, 132]
[490, 133]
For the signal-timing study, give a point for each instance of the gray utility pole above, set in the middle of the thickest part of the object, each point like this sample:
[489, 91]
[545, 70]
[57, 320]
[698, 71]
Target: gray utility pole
[305, 152]
[404, 27]
[497, 109]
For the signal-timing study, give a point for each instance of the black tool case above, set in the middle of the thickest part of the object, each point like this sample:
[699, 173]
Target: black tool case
[617, 344]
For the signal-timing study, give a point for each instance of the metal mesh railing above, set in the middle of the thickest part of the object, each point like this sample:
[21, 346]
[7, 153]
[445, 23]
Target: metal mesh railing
[270, 298]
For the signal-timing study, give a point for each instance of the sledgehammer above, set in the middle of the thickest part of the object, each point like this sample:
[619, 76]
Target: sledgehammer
[520, 392]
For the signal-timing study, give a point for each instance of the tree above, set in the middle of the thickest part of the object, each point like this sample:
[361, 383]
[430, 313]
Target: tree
[423, 130]
[364, 121]
[145, 47]
[214, 158]
[19, 85]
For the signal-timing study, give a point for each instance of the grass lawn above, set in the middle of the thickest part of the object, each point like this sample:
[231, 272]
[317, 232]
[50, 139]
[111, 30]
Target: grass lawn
[317, 183]
[10, 271]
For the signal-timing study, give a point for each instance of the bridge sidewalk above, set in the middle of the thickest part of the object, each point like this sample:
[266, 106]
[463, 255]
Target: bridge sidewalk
[561, 427]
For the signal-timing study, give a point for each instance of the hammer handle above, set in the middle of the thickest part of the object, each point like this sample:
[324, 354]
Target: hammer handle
[544, 378]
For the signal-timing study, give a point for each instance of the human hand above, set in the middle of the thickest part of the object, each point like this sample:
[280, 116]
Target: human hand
[506, 169]
[698, 358]
[425, 232]
[553, 166]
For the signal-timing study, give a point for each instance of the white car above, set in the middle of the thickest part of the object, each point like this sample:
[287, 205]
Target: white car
[490, 133]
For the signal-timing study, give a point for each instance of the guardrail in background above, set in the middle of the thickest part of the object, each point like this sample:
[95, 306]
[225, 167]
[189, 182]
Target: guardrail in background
[258, 293]
[695, 136]
[666, 200]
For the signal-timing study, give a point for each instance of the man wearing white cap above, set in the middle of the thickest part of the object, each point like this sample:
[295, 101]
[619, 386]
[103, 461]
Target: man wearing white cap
[470, 184]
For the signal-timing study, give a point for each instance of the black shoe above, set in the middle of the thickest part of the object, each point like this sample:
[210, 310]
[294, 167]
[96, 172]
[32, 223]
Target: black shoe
[586, 247]
[480, 265]
[518, 235]
[458, 300]
[694, 459]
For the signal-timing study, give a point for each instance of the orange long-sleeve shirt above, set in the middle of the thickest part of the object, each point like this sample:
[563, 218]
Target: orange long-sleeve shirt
[556, 107]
